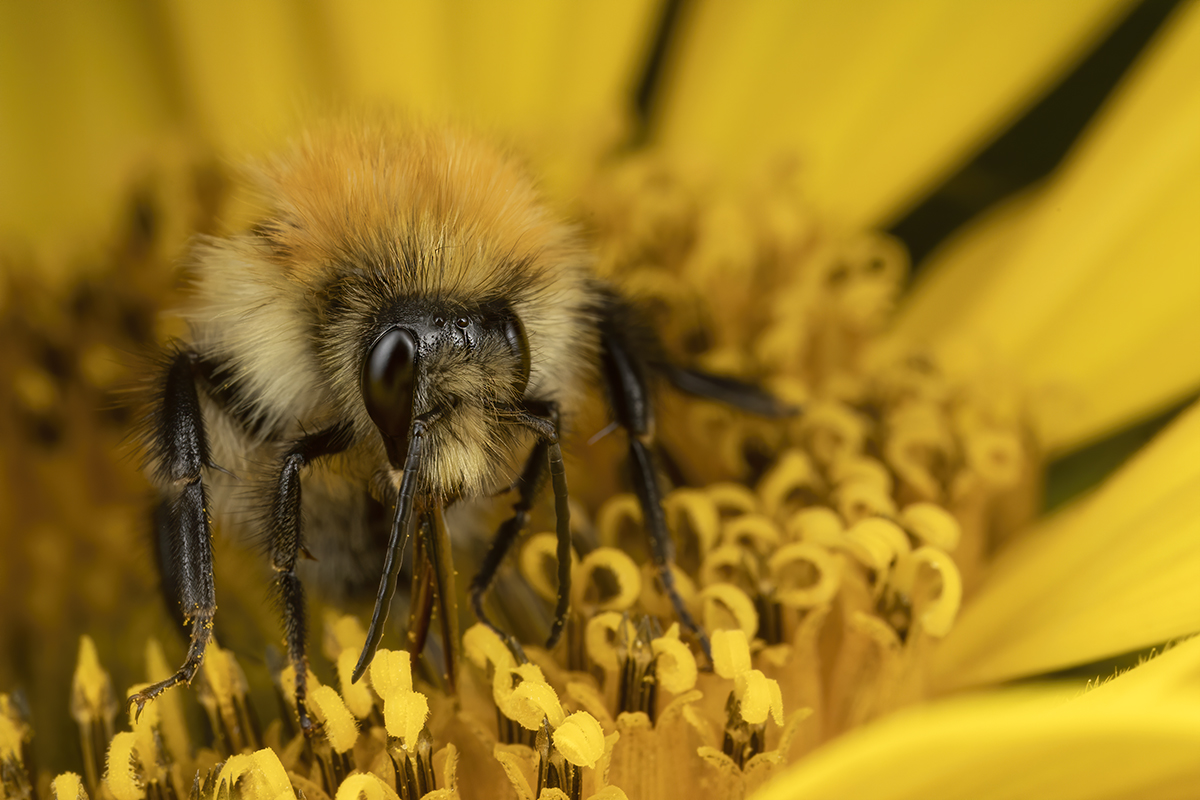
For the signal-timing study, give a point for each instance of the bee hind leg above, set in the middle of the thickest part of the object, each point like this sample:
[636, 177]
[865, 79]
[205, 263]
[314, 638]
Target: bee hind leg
[740, 395]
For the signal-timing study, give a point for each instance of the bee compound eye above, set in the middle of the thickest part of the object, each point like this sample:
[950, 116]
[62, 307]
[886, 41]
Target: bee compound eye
[388, 376]
[514, 333]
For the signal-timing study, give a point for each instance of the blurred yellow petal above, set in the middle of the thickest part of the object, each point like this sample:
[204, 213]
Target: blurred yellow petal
[82, 98]
[1089, 288]
[1014, 744]
[879, 100]
[246, 70]
[496, 63]
[1162, 677]
[1114, 574]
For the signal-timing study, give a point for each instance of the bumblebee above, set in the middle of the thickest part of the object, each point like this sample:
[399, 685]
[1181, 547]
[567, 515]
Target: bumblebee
[409, 314]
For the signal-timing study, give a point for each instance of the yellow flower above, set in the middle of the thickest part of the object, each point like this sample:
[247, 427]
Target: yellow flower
[874, 590]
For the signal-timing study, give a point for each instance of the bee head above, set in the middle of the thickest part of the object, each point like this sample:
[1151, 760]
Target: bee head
[399, 365]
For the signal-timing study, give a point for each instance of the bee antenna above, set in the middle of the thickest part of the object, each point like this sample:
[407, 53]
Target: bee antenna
[401, 529]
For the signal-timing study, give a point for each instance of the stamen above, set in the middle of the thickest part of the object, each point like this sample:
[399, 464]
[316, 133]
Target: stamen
[727, 606]
[753, 532]
[935, 615]
[693, 518]
[404, 710]
[223, 692]
[675, 665]
[539, 564]
[876, 543]
[94, 708]
[791, 479]
[805, 575]
[67, 786]
[607, 580]
[580, 739]
[637, 684]
[258, 774]
[818, 524]
[933, 525]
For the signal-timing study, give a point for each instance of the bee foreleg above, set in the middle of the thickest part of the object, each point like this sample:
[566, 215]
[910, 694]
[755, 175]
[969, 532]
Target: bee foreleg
[178, 451]
[286, 542]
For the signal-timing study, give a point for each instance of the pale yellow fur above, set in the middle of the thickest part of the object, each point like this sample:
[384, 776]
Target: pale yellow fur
[355, 196]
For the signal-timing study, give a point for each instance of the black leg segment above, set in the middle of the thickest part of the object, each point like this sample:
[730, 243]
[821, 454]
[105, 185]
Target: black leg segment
[285, 537]
[542, 419]
[178, 451]
[625, 371]
[528, 486]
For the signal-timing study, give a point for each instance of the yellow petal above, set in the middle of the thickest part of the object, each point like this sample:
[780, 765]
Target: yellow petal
[1015, 744]
[500, 64]
[879, 100]
[244, 69]
[1163, 676]
[1116, 573]
[1089, 288]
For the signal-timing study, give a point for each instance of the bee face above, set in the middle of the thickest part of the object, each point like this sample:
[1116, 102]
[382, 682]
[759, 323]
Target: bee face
[430, 355]
[432, 233]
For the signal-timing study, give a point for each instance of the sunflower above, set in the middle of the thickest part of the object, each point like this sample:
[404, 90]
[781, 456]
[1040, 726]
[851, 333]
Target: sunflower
[891, 614]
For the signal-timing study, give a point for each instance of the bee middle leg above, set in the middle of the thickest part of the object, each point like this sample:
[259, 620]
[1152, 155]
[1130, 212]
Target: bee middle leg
[625, 374]
[542, 418]
[528, 486]
[285, 538]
